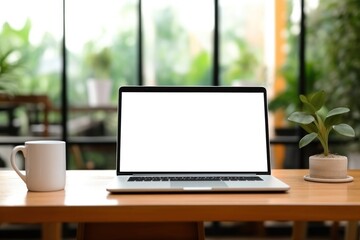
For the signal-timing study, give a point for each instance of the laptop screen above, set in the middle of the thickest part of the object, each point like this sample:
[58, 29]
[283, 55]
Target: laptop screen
[192, 129]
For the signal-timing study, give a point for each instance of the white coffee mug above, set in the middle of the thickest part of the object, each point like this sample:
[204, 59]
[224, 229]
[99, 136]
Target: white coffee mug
[45, 165]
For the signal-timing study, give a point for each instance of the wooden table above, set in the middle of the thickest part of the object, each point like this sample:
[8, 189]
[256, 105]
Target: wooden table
[86, 200]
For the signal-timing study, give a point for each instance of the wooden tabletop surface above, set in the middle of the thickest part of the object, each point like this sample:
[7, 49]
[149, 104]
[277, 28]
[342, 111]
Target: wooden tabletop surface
[85, 199]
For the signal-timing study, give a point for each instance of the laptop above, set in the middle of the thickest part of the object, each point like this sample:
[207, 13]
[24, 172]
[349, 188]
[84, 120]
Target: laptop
[193, 139]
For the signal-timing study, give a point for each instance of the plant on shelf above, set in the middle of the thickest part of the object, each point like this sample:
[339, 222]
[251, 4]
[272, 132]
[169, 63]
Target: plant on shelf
[99, 85]
[100, 63]
[318, 122]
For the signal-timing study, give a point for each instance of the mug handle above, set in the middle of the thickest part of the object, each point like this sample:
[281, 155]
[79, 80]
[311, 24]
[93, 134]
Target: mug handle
[13, 158]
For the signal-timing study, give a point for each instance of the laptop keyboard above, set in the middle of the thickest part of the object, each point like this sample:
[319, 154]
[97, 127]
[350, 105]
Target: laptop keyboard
[219, 178]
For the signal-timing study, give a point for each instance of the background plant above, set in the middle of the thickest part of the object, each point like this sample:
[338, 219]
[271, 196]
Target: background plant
[288, 99]
[12, 58]
[245, 65]
[333, 43]
[25, 67]
[100, 63]
[318, 122]
[9, 70]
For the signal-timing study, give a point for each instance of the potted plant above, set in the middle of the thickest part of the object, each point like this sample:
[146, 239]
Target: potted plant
[318, 122]
[99, 84]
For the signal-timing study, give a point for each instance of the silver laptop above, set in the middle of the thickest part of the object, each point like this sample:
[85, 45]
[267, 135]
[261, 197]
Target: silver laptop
[193, 139]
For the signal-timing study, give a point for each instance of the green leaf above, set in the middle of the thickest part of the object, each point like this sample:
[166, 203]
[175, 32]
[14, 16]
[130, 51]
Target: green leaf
[301, 118]
[345, 130]
[317, 100]
[307, 139]
[333, 117]
[333, 120]
[309, 128]
[303, 99]
[307, 105]
[337, 111]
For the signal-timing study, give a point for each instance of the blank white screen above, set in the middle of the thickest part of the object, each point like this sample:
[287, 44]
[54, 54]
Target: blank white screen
[197, 132]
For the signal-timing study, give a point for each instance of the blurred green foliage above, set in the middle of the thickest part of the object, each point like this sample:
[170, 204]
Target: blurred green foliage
[245, 65]
[334, 41]
[12, 57]
[22, 63]
[288, 99]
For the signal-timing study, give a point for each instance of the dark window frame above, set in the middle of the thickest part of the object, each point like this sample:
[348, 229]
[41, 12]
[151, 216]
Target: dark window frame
[215, 72]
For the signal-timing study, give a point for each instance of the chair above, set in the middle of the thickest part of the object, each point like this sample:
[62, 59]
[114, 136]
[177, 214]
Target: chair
[35, 103]
[10, 128]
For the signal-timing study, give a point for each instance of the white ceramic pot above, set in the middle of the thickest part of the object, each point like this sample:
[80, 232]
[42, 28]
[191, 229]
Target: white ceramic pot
[99, 92]
[329, 167]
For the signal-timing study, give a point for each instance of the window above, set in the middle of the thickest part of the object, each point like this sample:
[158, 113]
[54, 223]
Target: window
[131, 42]
[177, 42]
[101, 45]
[247, 42]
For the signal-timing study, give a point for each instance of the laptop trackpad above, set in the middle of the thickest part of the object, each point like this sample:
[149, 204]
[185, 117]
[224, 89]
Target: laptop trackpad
[199, 184]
